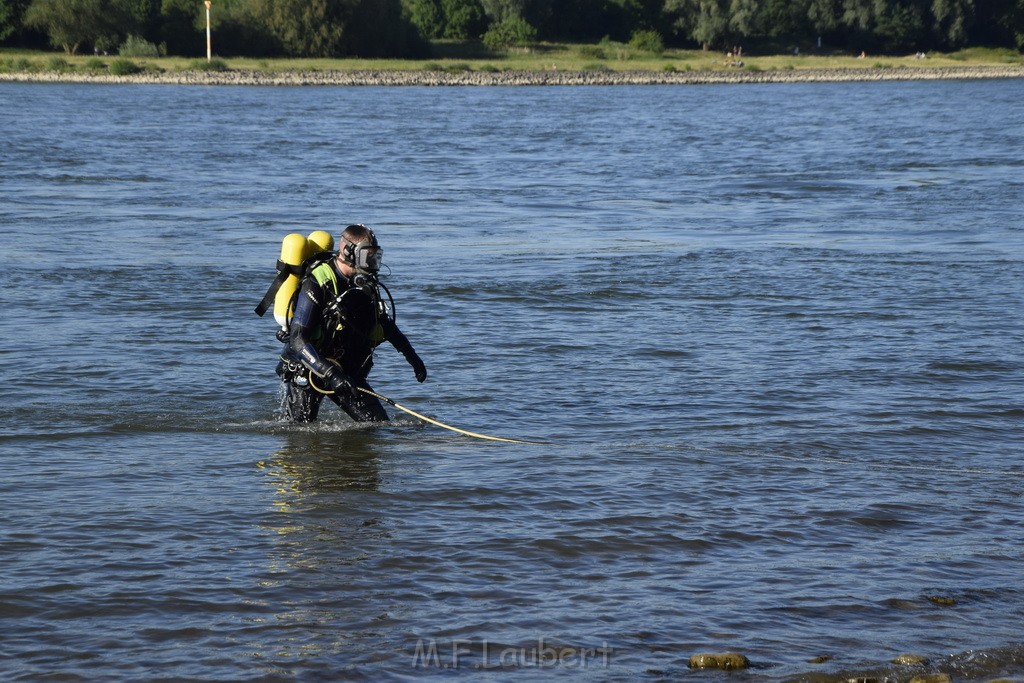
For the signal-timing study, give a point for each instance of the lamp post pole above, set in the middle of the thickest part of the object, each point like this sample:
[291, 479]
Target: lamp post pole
[209, 45]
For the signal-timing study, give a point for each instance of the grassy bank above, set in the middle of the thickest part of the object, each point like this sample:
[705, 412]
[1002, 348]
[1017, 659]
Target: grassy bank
[456, 57]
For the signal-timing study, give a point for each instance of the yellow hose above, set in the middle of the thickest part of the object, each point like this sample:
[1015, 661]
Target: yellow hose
[424, 417]
[441, 424]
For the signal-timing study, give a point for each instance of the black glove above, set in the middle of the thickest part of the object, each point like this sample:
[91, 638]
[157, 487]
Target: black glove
[340, 383]
[417, 366]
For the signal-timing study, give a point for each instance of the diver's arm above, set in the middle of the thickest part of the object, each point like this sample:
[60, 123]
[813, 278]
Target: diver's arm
[401, 343]
[304, 325]
[305, 352]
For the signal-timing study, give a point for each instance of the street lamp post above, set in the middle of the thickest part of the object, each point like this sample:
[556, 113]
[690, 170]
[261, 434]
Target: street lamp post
[209, 45]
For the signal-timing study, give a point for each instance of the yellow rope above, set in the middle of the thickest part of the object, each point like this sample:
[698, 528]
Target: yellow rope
[313, 384]
[441, 424]
[423, 417]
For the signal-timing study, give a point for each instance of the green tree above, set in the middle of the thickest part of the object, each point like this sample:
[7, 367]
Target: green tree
[647, 41]
[860, 21]
[565, 19]
[179, 26]
[901, 28]
[783, 18]
[1014, 22]
[743, 17]
[238, 30]
[704, 21]
[498, 10]
[306, 28]
[575, 20]
[952, 20]
[144, 15]
[712, 23]
[998, 22]
[427, 16]
[824, 16]
[463, 19]
[510, 31]
[70, 23]
[11, 14]
[382, 28]
[860, 14]
[639, 15]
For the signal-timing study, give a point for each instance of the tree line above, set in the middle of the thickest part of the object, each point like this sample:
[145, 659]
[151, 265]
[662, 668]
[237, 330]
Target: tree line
[405, 28]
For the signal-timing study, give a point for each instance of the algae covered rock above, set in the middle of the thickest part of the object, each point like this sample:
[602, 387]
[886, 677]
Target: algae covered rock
[943, 600]
[729, 661]
[932, 678]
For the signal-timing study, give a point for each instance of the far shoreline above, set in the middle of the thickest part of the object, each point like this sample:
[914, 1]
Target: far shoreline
[369, 77]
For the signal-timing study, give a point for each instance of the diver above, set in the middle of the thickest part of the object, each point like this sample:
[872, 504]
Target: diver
[339, 319]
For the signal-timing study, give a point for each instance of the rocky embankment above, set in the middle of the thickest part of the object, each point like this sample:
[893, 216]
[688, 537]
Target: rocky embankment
[520, 78]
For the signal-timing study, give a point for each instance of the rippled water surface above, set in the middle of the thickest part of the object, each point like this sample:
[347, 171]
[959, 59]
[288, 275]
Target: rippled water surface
[773, 335]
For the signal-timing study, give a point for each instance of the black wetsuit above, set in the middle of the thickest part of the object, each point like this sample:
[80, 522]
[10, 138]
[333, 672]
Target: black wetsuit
[345, 328]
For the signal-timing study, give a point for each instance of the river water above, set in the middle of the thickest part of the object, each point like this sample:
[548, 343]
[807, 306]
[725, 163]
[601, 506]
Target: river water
[772, 334]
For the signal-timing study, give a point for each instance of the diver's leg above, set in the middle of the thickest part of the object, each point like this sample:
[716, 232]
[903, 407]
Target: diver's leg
[363, 407]
[301, 401]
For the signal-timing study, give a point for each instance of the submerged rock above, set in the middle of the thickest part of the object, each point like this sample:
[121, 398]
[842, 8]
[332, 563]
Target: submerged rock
[908, 660]
[941, 600]
[729, 661]
[932, 678]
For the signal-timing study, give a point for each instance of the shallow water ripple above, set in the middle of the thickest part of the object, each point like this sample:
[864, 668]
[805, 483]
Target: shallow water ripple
[772, 340]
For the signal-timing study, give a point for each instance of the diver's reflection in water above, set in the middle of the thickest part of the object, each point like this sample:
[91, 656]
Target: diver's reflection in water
[314, 462]
[327, 506]
[328, 536]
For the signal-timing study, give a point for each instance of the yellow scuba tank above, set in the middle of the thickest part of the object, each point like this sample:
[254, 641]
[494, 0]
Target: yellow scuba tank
[295, 250]
[317, 241]
[293, 253]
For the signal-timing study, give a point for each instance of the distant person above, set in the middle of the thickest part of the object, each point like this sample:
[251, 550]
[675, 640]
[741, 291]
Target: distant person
[340, 318]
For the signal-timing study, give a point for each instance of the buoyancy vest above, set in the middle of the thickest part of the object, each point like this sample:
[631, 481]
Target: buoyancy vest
[334, 313]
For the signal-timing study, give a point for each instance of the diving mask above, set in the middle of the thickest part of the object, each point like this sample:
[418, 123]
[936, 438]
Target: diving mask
[367, 257]
[364, 256]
